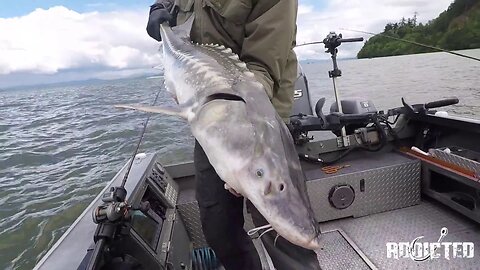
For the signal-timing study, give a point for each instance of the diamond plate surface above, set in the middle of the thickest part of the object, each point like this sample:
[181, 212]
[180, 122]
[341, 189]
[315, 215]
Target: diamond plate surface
[171, 194]
[371, 233]
[191, 217]
[386, 188]
[457, 160]
[391, 188]
[338, 253]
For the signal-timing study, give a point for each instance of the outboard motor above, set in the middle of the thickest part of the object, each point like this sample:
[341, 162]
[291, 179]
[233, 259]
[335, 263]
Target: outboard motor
[301, 104]
[354, 106]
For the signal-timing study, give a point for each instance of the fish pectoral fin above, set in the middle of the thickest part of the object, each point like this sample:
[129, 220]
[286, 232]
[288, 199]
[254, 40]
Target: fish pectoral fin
[177, 111]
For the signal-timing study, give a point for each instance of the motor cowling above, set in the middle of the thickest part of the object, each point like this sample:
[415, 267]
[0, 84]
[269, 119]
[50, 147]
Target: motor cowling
[355, 106]
[301, 95]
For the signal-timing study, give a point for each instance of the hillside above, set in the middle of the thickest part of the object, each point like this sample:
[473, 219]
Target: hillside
[456, 28]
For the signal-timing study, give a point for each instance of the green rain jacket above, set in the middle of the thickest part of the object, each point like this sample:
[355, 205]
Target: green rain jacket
[261, 32]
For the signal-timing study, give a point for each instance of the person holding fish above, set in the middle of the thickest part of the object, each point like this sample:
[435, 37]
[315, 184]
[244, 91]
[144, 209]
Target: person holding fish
[262, 33]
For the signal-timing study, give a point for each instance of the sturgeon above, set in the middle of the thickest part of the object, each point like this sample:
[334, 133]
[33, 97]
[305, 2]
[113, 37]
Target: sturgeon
[244, 138]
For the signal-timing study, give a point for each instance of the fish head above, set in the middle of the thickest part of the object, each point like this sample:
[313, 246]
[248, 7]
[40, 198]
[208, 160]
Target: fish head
[274, 182]
[252, 154]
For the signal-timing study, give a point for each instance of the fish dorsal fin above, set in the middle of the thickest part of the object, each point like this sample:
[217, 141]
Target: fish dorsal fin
[183, 30]
[181, 111]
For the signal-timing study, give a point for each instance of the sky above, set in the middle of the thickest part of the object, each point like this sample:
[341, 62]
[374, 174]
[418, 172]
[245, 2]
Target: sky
[54, 41]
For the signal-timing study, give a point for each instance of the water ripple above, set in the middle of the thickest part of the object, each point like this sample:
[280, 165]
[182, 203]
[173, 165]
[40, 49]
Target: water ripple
[59, 147]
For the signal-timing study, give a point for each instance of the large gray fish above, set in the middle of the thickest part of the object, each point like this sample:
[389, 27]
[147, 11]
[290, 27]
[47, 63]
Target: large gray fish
[245, 140]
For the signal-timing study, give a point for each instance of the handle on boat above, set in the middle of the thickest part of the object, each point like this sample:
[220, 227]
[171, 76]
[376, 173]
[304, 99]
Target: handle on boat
[441, 103]
[351, 39]
[355, 118]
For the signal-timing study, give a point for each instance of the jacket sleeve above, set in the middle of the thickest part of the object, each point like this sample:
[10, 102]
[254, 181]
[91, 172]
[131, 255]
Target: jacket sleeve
[269, 40]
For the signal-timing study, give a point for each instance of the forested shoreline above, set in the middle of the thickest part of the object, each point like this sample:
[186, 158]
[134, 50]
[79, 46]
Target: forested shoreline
[456, 28]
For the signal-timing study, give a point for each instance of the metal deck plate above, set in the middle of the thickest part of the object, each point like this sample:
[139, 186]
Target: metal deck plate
[190, 214]
[338, 253]
[371, 234]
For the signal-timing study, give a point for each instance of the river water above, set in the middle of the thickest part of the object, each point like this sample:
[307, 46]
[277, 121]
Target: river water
[60, 145]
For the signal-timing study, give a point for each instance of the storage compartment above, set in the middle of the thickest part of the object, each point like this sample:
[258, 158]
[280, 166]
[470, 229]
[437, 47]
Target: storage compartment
[459, 192]
[372, 183]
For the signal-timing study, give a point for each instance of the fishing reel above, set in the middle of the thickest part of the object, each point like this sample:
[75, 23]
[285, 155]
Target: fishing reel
[116, 211]
[332, 42]
[113, 218]
[115, 207]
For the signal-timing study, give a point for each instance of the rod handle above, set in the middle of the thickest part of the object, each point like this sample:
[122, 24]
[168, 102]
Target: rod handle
[441, 103]
[351, 39]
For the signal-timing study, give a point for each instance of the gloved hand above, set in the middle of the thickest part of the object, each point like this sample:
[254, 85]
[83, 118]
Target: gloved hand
[158, 15]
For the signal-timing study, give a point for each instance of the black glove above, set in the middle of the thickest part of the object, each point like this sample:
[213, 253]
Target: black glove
[158, 15]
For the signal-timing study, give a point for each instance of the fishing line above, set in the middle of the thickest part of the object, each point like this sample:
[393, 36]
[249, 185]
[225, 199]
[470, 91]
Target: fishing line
[408, 41]
[257, 229]
[142, 133]
[275, 240]
[269, 230]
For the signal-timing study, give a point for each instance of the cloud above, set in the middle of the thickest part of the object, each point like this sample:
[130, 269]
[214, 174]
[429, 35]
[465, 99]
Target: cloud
[58, 39]
[304, 9]
[366, 15]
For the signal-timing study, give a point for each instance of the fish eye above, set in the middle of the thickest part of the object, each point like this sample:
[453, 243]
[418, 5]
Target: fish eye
[259, 173]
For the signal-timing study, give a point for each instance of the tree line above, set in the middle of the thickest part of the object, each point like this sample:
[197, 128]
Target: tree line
[456, 28]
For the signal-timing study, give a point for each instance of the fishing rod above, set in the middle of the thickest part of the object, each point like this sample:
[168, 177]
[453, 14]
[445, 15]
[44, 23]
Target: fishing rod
[408, 41]
[142, 134]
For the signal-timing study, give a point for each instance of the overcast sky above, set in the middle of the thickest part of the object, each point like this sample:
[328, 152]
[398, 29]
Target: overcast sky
[53, 40]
